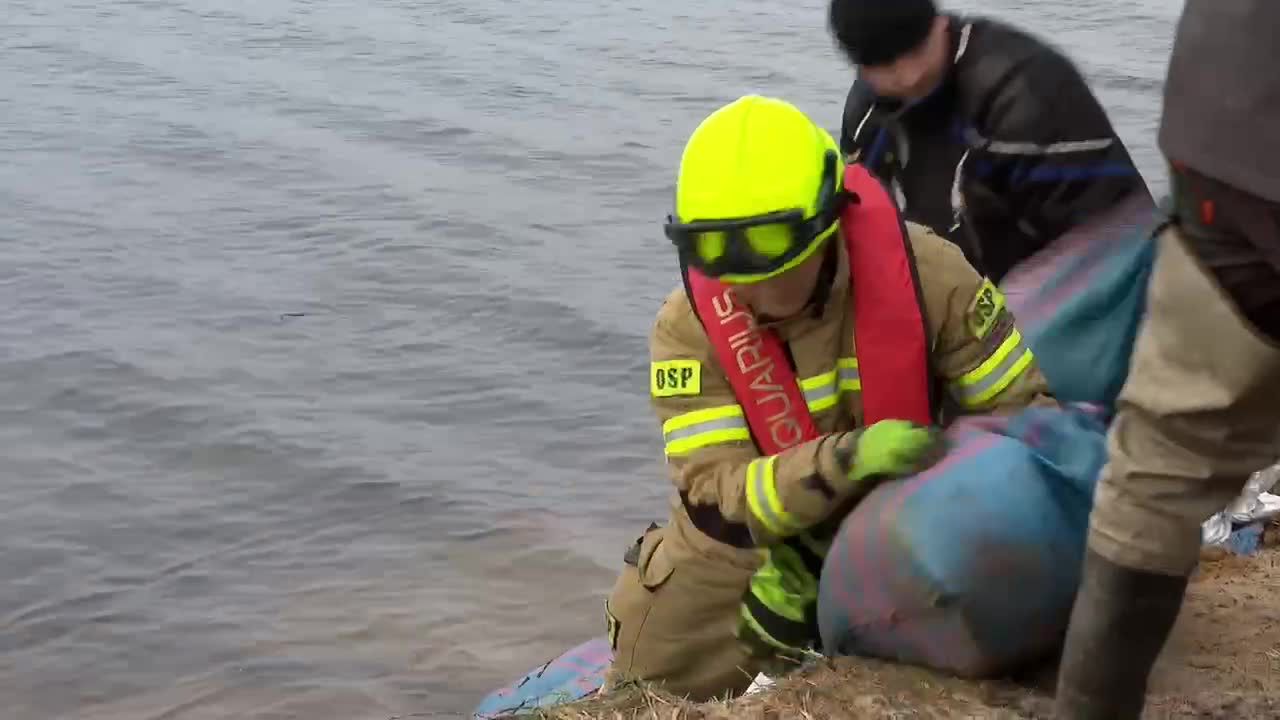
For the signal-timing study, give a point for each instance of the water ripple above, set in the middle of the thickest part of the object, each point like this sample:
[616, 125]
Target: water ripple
[323, 324]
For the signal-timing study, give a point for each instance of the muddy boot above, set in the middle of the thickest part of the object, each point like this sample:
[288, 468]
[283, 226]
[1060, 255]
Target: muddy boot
[1119, 624]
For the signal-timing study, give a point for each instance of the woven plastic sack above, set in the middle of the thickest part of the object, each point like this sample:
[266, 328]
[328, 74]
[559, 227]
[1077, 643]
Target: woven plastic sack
[971, 566]
[1080, 301]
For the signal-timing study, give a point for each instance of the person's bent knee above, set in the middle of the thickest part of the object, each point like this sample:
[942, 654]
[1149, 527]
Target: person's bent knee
[1144, 538]
[672, 627]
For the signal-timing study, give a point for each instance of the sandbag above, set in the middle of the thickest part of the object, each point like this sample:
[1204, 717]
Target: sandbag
[971, 566]
[1079, 301]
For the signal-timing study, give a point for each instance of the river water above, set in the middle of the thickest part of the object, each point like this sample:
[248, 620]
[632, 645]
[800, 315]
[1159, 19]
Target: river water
[323, 324]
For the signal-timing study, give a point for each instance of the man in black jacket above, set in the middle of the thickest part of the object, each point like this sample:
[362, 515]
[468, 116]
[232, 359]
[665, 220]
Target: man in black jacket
[988, 135]
[1199, 411]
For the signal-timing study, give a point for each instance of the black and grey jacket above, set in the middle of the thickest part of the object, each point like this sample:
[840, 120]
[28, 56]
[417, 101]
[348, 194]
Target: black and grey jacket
[1010, 152]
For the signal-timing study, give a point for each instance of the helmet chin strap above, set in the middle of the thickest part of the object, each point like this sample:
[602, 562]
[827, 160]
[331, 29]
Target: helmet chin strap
[826, 277]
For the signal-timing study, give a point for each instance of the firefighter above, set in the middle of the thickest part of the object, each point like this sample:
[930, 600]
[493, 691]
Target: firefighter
[805, 357]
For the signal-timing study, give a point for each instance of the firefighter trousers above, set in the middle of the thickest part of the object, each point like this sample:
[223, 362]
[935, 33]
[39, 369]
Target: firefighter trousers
[673, 615]
[1199, 413]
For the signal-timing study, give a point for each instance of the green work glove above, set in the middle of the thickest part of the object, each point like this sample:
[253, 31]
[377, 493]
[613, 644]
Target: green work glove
[889, 448]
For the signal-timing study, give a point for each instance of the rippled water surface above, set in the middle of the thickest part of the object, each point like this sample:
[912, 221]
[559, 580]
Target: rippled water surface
[322, 328]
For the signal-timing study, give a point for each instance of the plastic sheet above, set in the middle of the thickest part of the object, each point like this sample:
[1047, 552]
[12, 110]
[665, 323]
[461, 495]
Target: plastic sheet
[1254, 504]
[762, 682]
[575, 674]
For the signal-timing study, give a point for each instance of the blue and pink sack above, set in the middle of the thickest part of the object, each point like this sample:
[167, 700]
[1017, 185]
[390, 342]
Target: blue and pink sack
[971, 566]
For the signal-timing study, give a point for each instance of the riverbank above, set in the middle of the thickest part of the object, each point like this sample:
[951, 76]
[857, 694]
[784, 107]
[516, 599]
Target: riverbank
[1221, 661]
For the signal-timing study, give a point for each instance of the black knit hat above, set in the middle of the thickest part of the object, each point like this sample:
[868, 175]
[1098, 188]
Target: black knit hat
[873, 32]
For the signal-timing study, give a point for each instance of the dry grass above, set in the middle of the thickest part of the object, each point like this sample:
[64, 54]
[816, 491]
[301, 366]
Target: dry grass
[1208, 670]
[870, 690]
[844, 687]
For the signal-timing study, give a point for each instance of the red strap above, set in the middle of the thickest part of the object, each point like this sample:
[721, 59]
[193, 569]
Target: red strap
[756, 365]
[889, 327]
[889, 331]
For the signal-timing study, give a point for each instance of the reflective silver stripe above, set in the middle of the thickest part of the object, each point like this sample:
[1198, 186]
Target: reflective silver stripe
[1029, 148]
[816, 395]
[957, 194]
[821, 392]
[849, 379]
[996, 378]
[964, 42]
[730, 423]
[866, 117]
[702, 428]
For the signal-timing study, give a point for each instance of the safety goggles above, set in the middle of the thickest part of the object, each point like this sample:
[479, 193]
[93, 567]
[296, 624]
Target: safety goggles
[751, 249]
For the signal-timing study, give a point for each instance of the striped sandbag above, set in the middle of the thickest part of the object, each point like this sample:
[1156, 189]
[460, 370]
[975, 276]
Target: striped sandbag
[971, 566]
[1079, 302]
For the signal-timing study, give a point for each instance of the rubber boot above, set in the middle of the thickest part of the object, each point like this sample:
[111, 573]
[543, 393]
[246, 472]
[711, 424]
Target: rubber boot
[1119, 624]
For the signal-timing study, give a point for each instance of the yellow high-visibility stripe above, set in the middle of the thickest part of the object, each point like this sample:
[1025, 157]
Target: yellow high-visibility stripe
[725, 424]
[703, 428]
[978, 386]
[694, 417]
[756, 627]
[822, 392]
[763, 500]
[818, 381]
[847, 372]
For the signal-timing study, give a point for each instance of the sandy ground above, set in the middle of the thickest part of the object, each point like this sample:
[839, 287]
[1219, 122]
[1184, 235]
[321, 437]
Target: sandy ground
[1222, 661]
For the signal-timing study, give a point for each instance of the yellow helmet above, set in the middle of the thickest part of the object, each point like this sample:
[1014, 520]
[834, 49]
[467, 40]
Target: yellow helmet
[758, 190]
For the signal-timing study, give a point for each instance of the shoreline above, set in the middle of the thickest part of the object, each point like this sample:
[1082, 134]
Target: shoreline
[1221, 661]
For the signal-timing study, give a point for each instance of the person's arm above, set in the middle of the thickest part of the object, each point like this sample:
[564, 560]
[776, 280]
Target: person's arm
[1043, 154]
[977, 347]
[863, 136]
[712, 459]
[709, 451]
